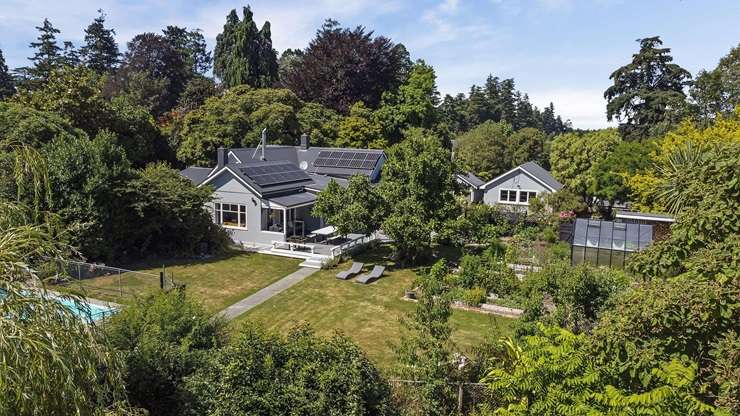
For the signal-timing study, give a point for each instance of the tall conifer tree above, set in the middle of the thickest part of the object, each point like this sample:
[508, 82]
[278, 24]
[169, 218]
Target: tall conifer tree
[244, 54]
[47, 55]
[6, 80]
[100, 52]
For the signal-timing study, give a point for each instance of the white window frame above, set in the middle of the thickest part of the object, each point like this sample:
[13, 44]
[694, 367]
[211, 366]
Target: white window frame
[517, 195]
[508, 194]
[219, 215]
[529, 197]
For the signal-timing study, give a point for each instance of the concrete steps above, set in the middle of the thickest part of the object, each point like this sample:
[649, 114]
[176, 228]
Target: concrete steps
[314, 262]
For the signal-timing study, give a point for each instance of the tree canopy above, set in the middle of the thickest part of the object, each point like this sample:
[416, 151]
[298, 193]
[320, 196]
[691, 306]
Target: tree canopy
[342, 66]
[100, 52]
[243, 54]
[647, 94]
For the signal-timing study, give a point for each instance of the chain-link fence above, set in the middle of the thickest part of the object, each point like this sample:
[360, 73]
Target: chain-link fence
[105, 282]
[464, 397]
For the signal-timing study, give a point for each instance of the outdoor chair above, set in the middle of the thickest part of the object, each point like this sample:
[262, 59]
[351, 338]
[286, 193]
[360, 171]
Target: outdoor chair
[348, 274]
[374, 275]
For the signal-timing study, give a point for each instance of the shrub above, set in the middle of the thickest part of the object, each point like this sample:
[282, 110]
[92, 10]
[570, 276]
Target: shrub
[579, 293]
[474, 296]
[164, 337]
[266, 374]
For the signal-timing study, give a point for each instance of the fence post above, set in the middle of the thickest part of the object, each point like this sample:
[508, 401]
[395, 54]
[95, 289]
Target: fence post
[161, 279]
[459, 398]
[120, 288]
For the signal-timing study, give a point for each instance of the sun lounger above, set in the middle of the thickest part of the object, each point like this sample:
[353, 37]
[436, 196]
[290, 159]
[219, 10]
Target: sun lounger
[374, 275]
[348, 274]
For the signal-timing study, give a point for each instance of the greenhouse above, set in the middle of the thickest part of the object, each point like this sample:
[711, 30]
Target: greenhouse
[607, 243]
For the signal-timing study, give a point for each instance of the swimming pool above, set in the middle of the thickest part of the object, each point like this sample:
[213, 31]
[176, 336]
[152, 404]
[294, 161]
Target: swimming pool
[87, 311]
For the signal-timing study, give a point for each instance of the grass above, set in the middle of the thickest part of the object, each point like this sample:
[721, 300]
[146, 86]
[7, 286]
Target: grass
[369, 314]
[216, 282]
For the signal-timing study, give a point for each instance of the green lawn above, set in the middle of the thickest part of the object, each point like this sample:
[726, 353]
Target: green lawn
[217, 282]
[369, 314]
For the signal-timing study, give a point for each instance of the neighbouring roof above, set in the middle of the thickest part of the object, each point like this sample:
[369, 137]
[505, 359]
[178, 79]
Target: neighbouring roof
[535, 171]
[645, 216]
[196, 174]
[470, 179]
[612, 235]
[294, 200]
[540, 173]
[332, 161]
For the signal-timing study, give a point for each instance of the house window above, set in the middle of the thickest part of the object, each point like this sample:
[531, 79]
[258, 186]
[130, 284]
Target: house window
[525, 196]
[507, 195]
[231, 215]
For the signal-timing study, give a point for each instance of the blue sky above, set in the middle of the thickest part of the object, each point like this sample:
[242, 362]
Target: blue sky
[557, 50]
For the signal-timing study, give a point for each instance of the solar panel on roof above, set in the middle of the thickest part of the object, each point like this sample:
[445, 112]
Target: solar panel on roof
[275, 174]
[347, 159]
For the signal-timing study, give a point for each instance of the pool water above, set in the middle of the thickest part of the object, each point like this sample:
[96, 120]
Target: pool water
[87, 311]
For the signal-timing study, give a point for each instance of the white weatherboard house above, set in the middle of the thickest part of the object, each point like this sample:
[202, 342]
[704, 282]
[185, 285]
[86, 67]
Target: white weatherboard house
[263, 197]
[515, 188]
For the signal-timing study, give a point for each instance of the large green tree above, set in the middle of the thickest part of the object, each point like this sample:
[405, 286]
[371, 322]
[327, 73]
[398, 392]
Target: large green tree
[342, 66]
[244, 54]
[76, 94]
[236, 118]
[192, 47]
[413, 105]
[7, 86]
[647, 95]
[610, 175]
[46, 58]
[360, 129]
[488, 149]
[418, 191]
[718, 91]
[100, 52]
[154, 72]
[355, 209]
[574, 158]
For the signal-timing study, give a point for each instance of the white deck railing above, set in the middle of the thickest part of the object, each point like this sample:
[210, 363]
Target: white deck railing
[281, 245]
[348, 245]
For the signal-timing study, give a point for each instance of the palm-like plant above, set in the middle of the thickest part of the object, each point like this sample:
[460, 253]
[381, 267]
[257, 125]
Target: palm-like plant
[677, 172]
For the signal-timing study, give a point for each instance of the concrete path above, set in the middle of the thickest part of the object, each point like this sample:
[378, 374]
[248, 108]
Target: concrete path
[266, 293]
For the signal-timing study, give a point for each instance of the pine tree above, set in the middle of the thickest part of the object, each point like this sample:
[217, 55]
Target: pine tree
[244, 54]
[192, 47]
[47, 55]
[70, 55]
[100, 52]
[6, 80]
[647, 96]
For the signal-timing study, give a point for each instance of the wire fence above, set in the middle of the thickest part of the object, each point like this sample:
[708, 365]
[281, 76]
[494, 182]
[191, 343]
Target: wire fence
[466, 396]
[105, 282]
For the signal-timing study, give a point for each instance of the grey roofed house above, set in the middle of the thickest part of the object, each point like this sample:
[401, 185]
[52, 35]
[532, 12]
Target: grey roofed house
[266, 194]
[471, 182]
[517, 186]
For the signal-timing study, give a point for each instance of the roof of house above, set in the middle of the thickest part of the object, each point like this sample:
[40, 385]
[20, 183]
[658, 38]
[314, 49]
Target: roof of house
[534, 170]
[196, 174]
[332, 161]
[294, 200]
[470, 179]
[645, 216]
